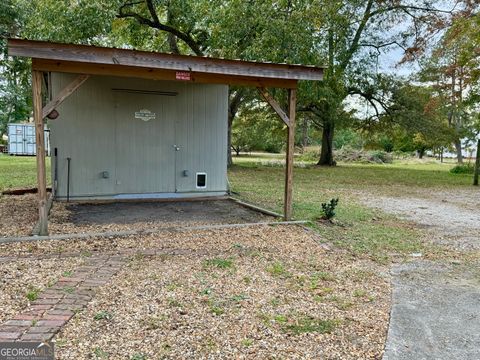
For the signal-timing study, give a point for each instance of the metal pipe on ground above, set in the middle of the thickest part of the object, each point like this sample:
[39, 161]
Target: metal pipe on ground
[108, 234]
[256, 208]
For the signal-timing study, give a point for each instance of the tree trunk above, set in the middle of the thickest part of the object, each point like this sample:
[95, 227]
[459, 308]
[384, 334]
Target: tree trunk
[458, 148]
[305, 133]
[477, 165]
[326, 155]
[235, 100]
[229, 140]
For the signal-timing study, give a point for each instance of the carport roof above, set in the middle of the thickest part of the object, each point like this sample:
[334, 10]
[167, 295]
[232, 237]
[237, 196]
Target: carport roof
[84, 59]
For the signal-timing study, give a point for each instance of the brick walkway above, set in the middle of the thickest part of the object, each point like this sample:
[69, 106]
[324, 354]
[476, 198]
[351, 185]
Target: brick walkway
[55, 306]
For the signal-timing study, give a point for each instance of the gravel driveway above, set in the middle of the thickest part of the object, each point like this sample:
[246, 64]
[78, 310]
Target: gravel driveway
[436, 306]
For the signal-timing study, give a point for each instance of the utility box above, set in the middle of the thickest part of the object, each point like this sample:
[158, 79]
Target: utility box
[21, 140]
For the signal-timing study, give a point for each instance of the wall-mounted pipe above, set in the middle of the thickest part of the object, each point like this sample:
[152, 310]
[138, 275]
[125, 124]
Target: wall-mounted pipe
[68, 178]
[55, 175]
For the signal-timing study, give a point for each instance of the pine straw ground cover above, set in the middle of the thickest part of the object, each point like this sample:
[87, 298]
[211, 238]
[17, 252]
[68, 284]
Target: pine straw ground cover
[257, 293]
[23, 279]
[18, 214]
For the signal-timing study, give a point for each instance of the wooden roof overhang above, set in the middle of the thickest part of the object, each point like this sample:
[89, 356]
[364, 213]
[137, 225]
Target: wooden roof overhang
[93, 60]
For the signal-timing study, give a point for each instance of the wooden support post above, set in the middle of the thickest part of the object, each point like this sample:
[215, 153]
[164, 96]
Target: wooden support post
[292, 101]
[40, 142]
[477, 165]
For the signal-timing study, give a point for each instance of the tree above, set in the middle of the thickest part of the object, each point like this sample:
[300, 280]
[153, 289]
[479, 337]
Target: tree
[352, 34]
[268, 31]
[452, 69]
[257, 128]
[415, 119]
[87, 22]
[347, 35]
[15, 100]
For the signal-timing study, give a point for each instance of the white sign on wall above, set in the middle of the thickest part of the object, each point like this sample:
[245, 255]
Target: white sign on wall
[145, 115]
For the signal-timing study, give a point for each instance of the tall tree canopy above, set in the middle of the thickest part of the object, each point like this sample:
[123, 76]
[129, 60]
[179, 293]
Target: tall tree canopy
[349, 36]
[452, 69]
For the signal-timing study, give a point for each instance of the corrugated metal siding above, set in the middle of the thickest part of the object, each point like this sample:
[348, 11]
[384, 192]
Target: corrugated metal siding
[203, 136]
[22, 141]
[144, 148]
[100, 137]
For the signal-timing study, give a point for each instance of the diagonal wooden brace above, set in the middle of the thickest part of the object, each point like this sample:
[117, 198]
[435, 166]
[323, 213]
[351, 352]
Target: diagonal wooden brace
[275, 106]
[65, 93]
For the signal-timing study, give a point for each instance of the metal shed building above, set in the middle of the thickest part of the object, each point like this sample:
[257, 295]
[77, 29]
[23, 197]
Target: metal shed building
[135, 138]
[144, 124]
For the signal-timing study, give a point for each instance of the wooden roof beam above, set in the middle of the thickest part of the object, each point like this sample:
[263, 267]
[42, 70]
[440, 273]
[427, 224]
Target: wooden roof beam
[151, 60]
[157, 74]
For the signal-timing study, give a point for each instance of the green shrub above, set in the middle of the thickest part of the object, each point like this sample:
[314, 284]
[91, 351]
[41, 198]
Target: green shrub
[32, 293]
[347, 138]
[328, 209]
[463, 169]
[103, 315]
[219, 263]
[310, 325]
[138, 356]
[311, 153]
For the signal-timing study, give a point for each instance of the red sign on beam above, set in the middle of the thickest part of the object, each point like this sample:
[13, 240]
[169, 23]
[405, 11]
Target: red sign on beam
[183, 75]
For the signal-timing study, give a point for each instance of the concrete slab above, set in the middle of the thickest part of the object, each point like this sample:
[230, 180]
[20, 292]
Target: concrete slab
[435, 312]
[162, 213]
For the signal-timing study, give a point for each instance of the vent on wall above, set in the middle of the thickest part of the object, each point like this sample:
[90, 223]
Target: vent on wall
[201, 180]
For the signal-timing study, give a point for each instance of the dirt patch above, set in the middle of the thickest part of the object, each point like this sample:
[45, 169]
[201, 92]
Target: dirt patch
[18, 214]
[76, 217]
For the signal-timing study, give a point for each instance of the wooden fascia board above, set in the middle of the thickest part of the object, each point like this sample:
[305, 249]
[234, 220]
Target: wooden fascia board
[157, 74]
[150, 60]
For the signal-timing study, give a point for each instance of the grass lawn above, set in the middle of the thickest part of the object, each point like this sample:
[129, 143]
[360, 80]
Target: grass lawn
[243, 293]
[361, 229]
[259, 179]
[19, 172]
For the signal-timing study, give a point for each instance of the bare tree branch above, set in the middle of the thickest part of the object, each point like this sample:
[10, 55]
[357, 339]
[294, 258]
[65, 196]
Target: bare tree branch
[155, 23]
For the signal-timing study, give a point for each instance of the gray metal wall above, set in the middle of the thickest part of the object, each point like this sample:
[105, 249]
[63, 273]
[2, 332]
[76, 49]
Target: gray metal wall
[115, 155]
